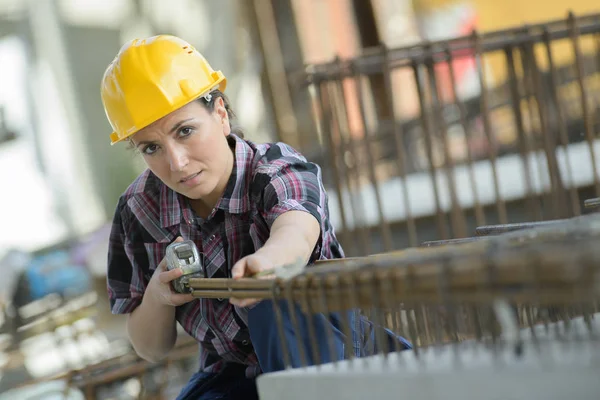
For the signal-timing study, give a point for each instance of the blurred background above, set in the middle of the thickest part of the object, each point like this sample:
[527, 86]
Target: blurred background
[428, 117]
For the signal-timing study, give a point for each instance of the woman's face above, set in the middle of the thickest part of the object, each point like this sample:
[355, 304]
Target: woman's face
[188, 150]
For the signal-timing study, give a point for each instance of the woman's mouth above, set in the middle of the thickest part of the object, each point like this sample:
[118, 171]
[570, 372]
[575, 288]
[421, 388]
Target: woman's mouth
[191, 180]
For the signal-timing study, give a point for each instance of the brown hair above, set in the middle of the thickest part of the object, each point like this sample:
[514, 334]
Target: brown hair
[210, 106]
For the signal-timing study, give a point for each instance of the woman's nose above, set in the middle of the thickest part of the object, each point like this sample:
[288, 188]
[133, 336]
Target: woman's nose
[178, 158]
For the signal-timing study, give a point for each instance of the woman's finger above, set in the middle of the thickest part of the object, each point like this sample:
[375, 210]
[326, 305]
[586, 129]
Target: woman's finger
[179, 299]
[239, 269]
[243, 302]
[168, 276]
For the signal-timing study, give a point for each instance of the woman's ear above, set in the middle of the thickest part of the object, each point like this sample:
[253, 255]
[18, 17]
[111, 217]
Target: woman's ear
[220, 110]
[222, 115]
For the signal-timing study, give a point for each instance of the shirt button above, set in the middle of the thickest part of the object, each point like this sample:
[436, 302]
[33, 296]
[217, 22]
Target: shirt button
[219, 299]
[212, 237]
[245, 342]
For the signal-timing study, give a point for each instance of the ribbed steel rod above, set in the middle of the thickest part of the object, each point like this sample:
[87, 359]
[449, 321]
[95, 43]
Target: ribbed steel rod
[370, 61]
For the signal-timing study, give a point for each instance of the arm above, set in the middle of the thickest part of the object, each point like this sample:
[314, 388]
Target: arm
[152, 330]
[148, 303]
[293, 208]
[152, 327]
[294, 235]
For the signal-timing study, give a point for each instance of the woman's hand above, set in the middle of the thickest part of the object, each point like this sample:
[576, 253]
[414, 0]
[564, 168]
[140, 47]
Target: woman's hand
[248, 267]
[159, 287]
[293, 236]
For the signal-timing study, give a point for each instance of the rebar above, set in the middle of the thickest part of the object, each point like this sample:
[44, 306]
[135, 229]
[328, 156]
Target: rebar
[516, 129]
[552, 267]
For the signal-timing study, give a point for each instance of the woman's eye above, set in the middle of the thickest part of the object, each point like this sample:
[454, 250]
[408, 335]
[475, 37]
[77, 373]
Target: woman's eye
[150, 149]
[185, 131]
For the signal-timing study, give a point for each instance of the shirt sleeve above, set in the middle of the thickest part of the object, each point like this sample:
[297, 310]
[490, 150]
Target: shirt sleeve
[126, 281]
[296, 186]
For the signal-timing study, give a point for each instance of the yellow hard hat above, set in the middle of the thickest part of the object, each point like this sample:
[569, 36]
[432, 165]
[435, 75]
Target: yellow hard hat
[150, 78]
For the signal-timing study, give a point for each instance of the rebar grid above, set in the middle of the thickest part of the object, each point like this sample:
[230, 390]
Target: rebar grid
[426, 142]
[433, 295]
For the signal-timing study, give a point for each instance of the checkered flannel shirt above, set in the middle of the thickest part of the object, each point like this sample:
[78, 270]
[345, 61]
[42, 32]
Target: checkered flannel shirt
[267, 180]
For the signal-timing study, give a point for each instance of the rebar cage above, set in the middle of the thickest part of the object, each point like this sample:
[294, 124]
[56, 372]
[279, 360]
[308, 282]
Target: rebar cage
[519, 302]
[429, 141]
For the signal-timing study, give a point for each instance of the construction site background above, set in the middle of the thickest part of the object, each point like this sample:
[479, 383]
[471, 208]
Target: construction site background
[61, 178]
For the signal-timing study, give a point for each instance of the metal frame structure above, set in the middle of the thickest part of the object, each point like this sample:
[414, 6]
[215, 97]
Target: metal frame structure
[398, 169]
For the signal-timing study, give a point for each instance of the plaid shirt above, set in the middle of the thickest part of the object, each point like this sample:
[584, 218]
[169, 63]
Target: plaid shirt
[267, 180]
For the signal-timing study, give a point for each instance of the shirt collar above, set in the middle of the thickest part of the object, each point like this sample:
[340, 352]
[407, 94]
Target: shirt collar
[236, 197]
[174, 207]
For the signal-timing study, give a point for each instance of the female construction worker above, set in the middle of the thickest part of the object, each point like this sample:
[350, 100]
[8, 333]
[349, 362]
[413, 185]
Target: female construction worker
[248, 207]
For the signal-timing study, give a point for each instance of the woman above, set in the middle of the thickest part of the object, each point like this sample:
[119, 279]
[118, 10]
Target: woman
[248, 207]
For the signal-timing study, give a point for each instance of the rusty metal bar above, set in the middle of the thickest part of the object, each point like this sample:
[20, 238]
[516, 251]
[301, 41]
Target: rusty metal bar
[536, 134]
[322, 289]
[413, 329]
[295, 324]
[334, 159]
[308, 307]
[401, 158]
[352, 181]
[525, 150]
[574, 32]
[384, 227]
[417, 274]
[503, 228]
[500, 206]
[459, 224]
[427, 135]
[547, 297]
[276, 297]
[347, 327]
[370, 61]
[433, 243]
[274, 67]
[387, 290]
[110, 371]
[592, 203]
[556, 185]
[560, 123]
[531, 138]
[479, 213]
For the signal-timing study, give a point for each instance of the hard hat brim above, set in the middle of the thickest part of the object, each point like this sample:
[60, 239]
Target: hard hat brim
[221, 84]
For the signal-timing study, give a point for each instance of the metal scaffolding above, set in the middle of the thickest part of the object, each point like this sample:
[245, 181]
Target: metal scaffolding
[463, 160]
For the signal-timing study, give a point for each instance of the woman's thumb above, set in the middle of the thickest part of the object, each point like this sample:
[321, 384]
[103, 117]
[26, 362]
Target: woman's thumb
[239, 269]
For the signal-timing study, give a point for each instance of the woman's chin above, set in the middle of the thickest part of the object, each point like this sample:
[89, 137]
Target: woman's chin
[198, 192]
